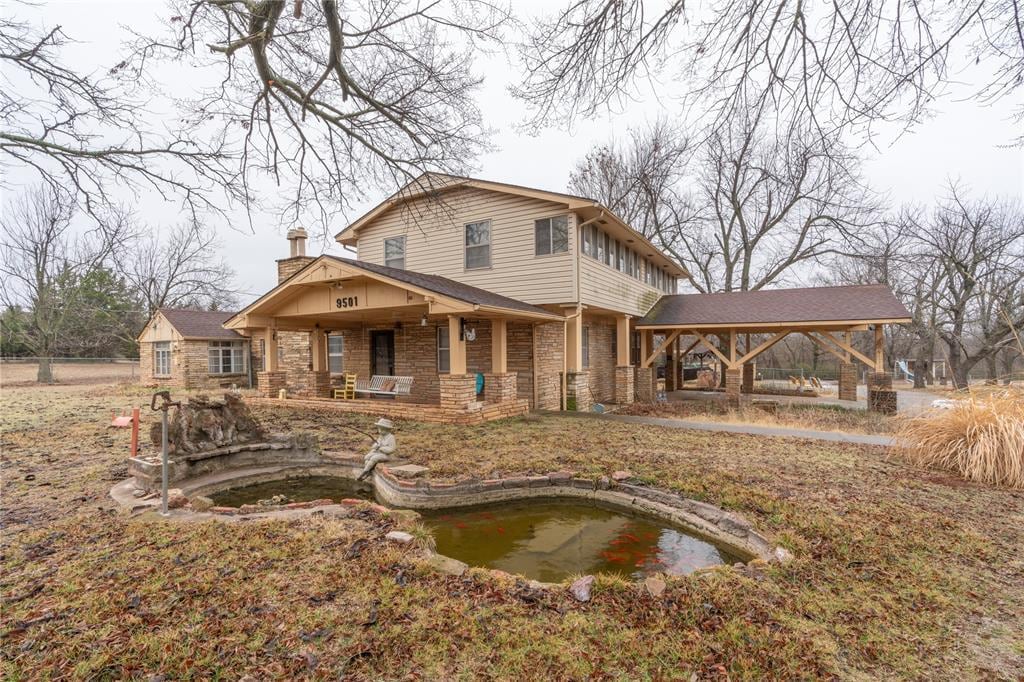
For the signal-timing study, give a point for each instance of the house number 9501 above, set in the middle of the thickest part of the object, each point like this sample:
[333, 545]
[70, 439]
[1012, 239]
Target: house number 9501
[347, 302]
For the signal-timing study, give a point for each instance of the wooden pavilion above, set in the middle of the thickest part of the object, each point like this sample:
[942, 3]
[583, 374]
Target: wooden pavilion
[739, 326]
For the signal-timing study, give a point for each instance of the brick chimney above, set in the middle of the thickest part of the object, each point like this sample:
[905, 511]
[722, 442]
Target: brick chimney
[297, 258]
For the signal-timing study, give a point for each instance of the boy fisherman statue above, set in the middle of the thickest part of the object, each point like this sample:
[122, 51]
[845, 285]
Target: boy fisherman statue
[382, 448]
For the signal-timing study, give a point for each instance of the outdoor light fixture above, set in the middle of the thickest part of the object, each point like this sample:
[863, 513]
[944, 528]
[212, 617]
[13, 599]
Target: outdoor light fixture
[423, 320]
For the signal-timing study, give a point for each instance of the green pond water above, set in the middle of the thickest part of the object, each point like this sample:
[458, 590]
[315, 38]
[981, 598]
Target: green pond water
[549, 540]
[300, 489]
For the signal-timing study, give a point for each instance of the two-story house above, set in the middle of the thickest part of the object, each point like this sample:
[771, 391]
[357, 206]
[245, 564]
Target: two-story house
[455, 278]
[494, 299]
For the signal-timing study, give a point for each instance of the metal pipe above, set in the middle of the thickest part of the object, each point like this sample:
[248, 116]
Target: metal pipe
[166, 405]
[135, 432]
[163, 466]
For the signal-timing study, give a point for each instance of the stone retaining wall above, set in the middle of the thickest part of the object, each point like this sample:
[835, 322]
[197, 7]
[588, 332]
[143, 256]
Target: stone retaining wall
[147, 470]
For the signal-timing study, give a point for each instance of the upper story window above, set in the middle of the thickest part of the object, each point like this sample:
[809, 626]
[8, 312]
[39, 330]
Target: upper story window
[478, 245]
[226, 357]
[551, 235]
[661, 279]
[335, 353]
[394, 252]
[587, 241]
[162, 359]
[600, 246]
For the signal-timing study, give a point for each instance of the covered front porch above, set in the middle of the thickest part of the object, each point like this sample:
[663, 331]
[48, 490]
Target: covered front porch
[463, 355]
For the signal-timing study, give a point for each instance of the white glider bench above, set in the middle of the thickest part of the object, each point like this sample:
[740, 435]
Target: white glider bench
[387, 386]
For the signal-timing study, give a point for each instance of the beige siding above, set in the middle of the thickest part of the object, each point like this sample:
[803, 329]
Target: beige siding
[434, 235]
[159, 329]
[604, 287]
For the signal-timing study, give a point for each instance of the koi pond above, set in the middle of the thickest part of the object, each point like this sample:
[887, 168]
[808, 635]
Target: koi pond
[550, 540]
[297, 489]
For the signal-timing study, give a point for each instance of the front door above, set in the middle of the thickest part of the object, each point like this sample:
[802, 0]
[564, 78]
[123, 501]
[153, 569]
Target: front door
[382, 356]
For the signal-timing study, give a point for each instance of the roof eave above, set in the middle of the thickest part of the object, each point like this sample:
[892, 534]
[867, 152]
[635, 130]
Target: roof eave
[775, 325]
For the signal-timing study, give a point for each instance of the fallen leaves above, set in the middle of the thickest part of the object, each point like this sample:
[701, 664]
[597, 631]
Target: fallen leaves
[895, 573]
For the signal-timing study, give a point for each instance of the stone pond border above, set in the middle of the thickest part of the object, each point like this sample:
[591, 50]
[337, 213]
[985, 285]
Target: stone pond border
[722, 527]
[718, 525]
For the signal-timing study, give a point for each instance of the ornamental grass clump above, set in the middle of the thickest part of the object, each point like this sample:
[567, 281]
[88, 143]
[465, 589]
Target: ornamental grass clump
[981, 438]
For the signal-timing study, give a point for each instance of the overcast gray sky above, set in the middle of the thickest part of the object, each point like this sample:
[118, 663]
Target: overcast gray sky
[963, 141]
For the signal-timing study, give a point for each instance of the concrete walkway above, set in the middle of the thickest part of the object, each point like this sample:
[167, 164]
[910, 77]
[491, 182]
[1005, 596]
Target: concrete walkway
[752, 429]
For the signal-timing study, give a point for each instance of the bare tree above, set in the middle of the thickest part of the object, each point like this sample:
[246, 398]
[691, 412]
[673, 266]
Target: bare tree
[979, 246]
[336, 100]
[640, 181]
[768, 204]
[178, 267]
[831, 65]
[42, 263]
[84, 134]
[959, 269]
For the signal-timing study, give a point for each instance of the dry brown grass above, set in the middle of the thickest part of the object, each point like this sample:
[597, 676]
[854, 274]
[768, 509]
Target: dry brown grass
[981, 438]
[898, 572]
[812, 417]
[79, 373]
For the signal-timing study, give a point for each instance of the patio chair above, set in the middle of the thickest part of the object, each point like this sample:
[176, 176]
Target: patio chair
[348, 389]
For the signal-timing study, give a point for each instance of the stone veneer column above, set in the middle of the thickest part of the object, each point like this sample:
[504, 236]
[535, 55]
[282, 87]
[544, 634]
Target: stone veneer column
[747, 384]
[271, 383]
[624, 385]
[458, 393]
[645, 384]
[578, 386]
[881, 397]
[847, 381]
[733, 386]
[320, 384]
[500, 388]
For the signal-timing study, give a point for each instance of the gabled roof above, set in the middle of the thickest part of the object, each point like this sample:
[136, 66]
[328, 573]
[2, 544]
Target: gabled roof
[854, 304]
[431, 183]
[444, 286]
[200, 324]
[436, 183]
[420, 282]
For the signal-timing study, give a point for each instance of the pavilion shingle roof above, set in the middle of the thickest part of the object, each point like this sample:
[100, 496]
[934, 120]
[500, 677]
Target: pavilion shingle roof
[444, 286]
[812, 304]
[200, 324]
